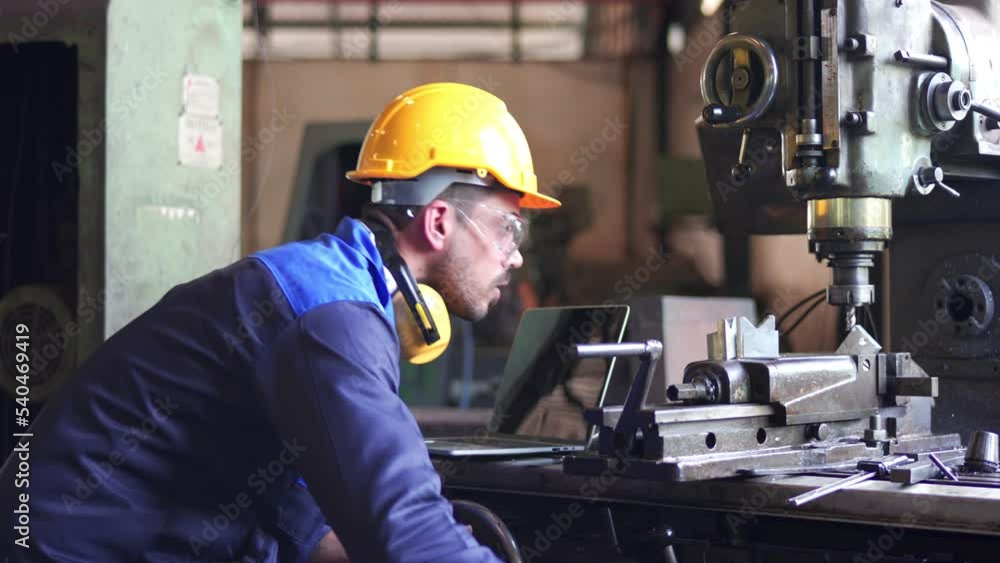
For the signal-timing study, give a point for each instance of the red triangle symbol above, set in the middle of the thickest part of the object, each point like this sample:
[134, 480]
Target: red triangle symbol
[200, 145]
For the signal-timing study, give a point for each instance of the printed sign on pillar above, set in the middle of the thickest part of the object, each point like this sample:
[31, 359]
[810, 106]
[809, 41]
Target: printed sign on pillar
[199, 130]
[200, 141]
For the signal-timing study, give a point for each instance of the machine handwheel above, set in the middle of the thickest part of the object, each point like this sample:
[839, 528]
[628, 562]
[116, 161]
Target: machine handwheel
[747, 85]
[489, 529]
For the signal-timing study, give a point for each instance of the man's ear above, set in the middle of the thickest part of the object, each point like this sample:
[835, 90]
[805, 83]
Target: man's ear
[438, 223]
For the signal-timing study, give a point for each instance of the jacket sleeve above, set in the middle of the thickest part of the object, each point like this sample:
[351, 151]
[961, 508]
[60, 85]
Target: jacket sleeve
[294, 520]
[330, 384]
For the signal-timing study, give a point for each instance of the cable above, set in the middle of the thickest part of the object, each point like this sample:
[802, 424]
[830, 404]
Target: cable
[802, 318]
[802, 302]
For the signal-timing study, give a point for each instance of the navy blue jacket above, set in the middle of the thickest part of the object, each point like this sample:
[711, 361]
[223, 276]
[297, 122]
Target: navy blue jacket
[189, 434]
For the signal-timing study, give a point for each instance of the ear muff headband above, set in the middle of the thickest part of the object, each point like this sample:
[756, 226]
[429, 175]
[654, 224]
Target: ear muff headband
[406, 284]
[422, 321]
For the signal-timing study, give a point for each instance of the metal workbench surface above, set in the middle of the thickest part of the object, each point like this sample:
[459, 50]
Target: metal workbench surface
[933, 505]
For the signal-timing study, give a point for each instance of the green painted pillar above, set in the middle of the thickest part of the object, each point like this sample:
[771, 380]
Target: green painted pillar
[172, 148]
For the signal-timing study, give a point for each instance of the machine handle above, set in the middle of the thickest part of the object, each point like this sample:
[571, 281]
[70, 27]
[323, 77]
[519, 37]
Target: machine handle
[649, 354]
[929, 177]
[650, 347]
[985, 110]
[717, 113]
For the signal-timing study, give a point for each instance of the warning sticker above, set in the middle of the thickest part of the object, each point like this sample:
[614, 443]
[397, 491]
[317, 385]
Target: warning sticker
[199, 141]
[201, 95]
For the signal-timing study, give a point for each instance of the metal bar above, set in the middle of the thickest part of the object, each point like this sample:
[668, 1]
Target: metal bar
[821, 492]
[612, 350]
[944, 468]
[922, 60]
[987, 111]
[697, 413]
[830, 87]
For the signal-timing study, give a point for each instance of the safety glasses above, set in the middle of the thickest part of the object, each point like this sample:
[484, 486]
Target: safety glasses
[504, 230]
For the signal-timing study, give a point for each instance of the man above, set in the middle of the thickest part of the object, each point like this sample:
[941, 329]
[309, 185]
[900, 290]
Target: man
[191, 434]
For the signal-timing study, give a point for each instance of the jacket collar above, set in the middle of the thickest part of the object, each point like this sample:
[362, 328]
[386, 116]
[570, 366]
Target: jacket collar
[358, 236]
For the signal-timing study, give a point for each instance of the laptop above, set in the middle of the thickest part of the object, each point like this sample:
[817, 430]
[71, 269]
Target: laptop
[544, 391]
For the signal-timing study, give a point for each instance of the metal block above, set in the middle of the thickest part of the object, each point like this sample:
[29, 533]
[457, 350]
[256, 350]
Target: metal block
[860, 45]
[738, 338]
[913, 386]
[681, 323]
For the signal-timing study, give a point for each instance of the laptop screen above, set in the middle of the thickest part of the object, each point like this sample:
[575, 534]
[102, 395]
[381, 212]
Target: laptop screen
[544, 391]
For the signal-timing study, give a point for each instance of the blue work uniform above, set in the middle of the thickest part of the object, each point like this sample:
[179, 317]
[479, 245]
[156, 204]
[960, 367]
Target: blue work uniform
[189, 434]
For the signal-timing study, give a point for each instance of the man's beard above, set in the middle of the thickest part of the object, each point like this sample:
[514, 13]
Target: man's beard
[451, 276]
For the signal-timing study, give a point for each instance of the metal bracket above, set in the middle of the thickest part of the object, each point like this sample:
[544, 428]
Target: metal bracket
[807, 48]
[860, 46]
[861, 122]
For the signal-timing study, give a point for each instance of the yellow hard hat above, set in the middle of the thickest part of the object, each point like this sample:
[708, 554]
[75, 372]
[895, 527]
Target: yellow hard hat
[449, 125]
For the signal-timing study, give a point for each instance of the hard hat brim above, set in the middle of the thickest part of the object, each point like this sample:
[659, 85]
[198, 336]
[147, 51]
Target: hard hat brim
[535, 200]
[530, 199]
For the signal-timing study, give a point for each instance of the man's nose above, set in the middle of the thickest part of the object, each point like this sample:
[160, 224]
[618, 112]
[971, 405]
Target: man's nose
[515, 260]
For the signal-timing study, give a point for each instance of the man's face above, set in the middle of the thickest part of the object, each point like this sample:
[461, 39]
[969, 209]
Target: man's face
[474, 265]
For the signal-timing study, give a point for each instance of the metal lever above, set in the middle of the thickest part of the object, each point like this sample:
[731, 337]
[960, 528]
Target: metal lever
[985, 110]
[945, 470]
[648, 353]
[929, 177]
[922, 60]
[870, 469]
[742, 169]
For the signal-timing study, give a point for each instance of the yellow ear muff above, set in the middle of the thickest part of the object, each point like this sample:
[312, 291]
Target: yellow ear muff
[412, 346]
